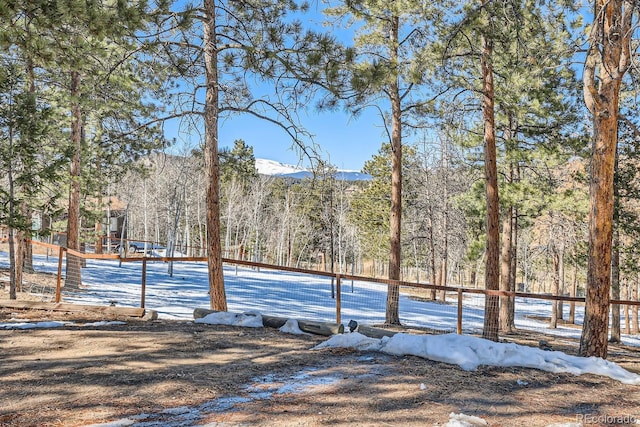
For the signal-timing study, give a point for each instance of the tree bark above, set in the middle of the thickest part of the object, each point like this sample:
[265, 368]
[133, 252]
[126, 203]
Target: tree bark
[635, 325]
[392, 313]
[20, 248]
[73, 275]
[27, 261]
[561, 283]
[553, 323]
[28, 258]
[615, 289]
[609, 53]
[492, 270]
[593, 341]
[212, 167]
[573, 291]
[432, 249]
[99, 233]
[627, 310]
[513, 270]
[445, 225]
[13, 276]
[505, 272]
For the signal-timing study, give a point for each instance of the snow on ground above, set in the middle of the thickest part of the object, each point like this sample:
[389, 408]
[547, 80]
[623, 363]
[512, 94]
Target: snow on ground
[297, 296]
[470, 352]
[261, 388]
[292, 327]
[286, 294]
[161, 253]
[31, 325]
[251, 320]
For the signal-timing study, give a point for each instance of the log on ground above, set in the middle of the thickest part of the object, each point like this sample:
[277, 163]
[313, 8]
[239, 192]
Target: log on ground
[313, 327]
[74, 308]
[372, 332]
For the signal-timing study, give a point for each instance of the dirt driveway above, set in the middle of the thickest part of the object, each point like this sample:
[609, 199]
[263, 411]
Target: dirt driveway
[167, 373]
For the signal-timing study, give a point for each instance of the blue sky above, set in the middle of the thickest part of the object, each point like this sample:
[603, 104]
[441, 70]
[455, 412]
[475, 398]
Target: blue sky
[345, 141]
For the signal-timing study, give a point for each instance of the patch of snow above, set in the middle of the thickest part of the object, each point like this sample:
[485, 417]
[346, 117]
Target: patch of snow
[352, 340]
[462, 420]
[223, 404]
[292, 327]
[304, 381]
[161, 253]
[470, 352]
[251, 320]
[263, 388]
[102, 323]
[34, 325]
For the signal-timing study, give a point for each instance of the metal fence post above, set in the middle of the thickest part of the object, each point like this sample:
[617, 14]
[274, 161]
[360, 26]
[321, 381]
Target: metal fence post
[144, 281]
[59, 278]
[459, 326]
[338, 299]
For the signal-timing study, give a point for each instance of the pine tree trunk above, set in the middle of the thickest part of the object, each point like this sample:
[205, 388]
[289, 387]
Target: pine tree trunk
[627, 310]
[73, 275]
[432, 249]
[492, 270]
[445, 225]
[561, 289]
[505, 272]
[212, 170]
[610, 54]
[13, 283]
[23, 262]
[99, 233]
[615, 289]
[573, 291]
[27, 261]
[20, 247]
[28, 258]
[393, 294]
[511, 320]
[635, 325]
[555, 288]
[593, 341]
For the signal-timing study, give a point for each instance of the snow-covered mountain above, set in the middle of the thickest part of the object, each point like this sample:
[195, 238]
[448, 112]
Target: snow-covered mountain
[273, 168]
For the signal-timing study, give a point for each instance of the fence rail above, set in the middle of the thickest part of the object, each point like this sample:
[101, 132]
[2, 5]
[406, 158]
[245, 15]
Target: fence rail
[459, 303]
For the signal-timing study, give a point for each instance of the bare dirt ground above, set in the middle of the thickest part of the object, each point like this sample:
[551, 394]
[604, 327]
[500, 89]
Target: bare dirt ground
[168, 373]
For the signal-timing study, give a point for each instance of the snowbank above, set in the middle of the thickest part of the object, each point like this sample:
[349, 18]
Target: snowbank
[470, 352]
[292, 327]
[251, 320]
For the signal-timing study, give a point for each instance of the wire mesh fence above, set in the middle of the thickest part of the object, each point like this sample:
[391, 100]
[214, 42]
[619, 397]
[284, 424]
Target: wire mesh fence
[175, 286]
